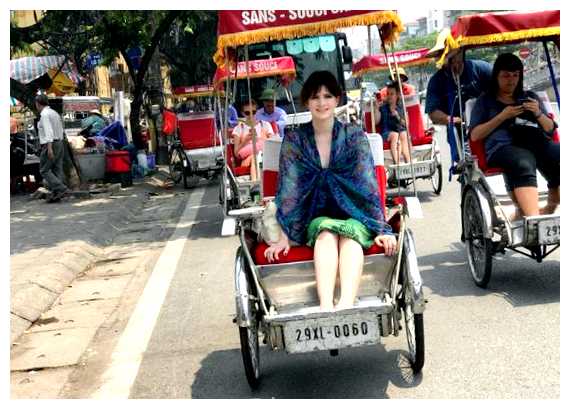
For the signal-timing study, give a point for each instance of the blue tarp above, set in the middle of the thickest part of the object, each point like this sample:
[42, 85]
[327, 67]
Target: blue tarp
[115, 135]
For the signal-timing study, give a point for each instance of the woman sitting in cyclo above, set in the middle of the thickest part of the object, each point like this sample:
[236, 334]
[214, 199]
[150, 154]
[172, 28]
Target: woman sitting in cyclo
[328, 195]
[393, 125]
[517, 134]
[243, 137]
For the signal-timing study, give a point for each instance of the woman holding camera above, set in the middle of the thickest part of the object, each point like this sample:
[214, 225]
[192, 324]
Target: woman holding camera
[518, 136]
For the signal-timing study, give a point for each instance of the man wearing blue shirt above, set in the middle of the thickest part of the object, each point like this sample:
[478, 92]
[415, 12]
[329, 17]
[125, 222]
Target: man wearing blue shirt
[270, 112]
[442, 103]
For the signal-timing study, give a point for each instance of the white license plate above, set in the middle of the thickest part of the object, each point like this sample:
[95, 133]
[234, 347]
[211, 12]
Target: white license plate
[549, 231]
[405, 171]
[333, 332]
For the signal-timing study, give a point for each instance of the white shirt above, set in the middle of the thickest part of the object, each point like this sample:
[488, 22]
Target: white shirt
[50, 126]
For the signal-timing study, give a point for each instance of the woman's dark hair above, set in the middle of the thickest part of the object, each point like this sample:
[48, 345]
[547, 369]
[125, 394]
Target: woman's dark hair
[394, 85]
[246, 102]
[317, 80]
[507, 62]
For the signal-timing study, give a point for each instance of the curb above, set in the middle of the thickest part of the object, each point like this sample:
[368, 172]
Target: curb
[31, 300]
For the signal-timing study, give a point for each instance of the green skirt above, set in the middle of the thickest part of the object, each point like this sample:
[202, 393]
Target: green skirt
[350, 228]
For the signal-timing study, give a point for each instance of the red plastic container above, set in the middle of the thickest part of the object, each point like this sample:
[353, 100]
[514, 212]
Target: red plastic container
[117, 162]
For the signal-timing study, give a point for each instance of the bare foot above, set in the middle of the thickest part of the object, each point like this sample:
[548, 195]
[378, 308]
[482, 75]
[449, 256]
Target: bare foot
[343, 306]
[548, 209]
[327, 308]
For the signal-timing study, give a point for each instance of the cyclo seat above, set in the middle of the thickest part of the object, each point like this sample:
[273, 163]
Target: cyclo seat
[419, 135]
[478, 147]
[269, 186]
[234, 162]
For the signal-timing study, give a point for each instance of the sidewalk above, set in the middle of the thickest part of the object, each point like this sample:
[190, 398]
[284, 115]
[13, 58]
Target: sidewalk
[51, 244]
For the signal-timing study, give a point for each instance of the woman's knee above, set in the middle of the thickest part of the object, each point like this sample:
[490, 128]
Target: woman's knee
[327, 236]
[348, 243]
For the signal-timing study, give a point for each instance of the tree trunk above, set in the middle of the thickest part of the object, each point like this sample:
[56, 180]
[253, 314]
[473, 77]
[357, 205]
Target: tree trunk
[138, 77]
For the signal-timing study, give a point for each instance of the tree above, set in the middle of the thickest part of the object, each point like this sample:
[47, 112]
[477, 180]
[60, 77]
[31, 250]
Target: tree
[190, 50]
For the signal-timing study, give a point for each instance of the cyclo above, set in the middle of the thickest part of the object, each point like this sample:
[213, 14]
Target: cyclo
[425, 151]
[486, 227]
[197, 149]
[279, 300]
[236, 186]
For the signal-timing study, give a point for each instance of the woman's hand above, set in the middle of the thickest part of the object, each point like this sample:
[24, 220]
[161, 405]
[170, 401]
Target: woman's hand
[512, 111]
[388, 242]
[273, 251]
[532, 106]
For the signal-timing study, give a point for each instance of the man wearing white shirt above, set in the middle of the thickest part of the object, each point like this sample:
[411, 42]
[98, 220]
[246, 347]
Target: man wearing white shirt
[50, 130]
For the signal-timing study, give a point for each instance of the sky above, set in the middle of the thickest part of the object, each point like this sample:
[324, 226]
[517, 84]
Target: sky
[412, 14]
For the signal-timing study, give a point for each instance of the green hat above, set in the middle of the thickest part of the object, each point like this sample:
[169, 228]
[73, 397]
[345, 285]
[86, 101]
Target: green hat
[267, 94]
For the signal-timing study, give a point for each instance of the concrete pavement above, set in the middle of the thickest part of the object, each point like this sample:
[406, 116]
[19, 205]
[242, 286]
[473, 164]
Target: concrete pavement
[51, 244]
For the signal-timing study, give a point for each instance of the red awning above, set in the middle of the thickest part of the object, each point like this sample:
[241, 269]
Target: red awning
[283, 67]
[379, 62]
[240, 27]
[505, 27]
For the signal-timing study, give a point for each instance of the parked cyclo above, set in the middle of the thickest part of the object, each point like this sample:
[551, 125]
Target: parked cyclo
[278, 299]
[197, 148]
[424, 148]
[236, 186]
[486, 206]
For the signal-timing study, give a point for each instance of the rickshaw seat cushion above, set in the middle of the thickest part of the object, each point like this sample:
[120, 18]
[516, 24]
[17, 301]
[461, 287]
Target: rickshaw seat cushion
[233, 162]
[478, 150]
[305, 253]
[197, 133]
[241, 170]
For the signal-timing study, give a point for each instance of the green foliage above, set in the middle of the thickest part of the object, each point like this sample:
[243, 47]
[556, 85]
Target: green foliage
[416, 42]
[190, 51]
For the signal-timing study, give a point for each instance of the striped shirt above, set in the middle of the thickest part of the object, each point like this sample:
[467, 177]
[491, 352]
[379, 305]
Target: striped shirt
[50, 126]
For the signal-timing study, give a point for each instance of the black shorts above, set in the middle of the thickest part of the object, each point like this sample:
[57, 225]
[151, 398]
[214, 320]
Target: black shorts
[521, 160]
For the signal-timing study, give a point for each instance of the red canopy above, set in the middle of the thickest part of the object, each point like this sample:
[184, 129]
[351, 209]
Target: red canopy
[240, 27]
[282, 66]
[496, 28]
[378, 62]
[194, 91]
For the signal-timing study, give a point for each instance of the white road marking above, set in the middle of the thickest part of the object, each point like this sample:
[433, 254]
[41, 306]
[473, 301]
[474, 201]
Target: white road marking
[118, 379]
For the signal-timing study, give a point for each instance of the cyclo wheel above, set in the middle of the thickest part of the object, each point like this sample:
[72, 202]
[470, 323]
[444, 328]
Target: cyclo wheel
[176, 164]
[479, 248]
[249, 341]
[437, 179]
[414, 324]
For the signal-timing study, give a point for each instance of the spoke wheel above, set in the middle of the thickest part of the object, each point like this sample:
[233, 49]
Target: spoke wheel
[414, 324]
[250, 354]
[479, 248]
[249, 341]
[437, 179]
[176, 165]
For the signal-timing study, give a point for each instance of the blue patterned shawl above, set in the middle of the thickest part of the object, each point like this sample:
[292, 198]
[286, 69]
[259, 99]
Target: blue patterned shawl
[346, 189]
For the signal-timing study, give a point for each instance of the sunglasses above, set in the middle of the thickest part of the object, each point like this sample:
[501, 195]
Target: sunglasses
[249, 112]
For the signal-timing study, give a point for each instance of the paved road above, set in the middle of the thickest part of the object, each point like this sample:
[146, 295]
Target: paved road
[502, 342]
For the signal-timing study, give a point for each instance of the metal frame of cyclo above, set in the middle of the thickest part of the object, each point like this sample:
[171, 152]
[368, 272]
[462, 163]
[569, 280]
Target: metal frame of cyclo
[401, 90]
